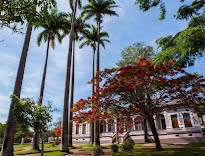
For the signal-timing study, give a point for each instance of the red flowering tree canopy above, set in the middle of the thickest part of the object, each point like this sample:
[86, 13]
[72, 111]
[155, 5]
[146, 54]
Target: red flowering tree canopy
[58, 131]
[142, 88]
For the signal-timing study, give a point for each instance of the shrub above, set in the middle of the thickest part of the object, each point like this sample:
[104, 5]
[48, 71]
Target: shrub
[97, 150]
[128, 145]
[131, 141]
[114, 148]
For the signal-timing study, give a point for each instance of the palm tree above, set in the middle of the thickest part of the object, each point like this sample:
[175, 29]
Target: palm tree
[7, 147]
[90, 38]
[80, 26]
[53, 25]
[97, 9]
[64, 134]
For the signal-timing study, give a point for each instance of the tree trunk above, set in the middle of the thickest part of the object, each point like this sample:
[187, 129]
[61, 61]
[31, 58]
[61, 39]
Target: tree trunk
[7, 147]
[145, 131]
[117, 134]
[97, 134]
[44, 74]
[93, 91]
[64, 135]
[35, 143]
[70, 123]
[42, 144]
[154, 132]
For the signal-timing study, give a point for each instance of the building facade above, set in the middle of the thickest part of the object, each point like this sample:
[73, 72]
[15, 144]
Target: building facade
[173, 126]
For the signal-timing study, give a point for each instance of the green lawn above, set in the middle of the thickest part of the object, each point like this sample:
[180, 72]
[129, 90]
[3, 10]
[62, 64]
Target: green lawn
[197, 149]
[19, 147]
[49, 151]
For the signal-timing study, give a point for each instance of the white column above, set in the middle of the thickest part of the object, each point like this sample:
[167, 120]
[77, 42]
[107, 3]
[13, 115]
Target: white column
[133, 122]
[168, 121]
[74, 128]
[181, 120]
[80, 129]
[115, 122]
[155, 121]
[106, 126]
[193, 120]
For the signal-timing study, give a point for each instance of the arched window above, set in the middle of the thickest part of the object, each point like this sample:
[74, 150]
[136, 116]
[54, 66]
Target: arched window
[175, 123]
[160, 121]
[111, 126]
[129, 124]
[84, 129]
[138, 123]
[187, 120]
[102, 126]
[77, 127]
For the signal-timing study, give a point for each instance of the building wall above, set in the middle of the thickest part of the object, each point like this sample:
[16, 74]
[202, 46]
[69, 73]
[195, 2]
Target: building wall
[182, 134]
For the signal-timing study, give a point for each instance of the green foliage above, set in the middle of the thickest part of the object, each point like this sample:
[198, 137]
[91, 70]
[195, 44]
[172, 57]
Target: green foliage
[33, 115]
[54, 25]
[2, 129]
[20, 11]
[80, 25]
[90, 38]
[97, 150]
[114, 148]
[186, 45]
[128, 145]
[184, 12]
[99, 8]
[131, 54]
[22, 131]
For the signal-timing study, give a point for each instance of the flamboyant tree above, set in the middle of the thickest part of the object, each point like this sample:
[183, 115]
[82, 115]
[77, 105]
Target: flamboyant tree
[142, 89]
[58, 131]
[129, 56]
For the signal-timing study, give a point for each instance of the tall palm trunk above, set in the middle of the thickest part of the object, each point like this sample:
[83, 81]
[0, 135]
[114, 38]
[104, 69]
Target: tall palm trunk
[70, 123]
[64, 135]
[7, 147]
[44, 74]
[97, 126]
[35, 143]
[93, 91]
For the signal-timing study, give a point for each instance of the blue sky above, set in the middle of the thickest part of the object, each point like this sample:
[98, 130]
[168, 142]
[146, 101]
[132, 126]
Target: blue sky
[131, 26]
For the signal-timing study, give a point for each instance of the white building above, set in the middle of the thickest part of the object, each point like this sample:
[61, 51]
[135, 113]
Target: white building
[174, 126]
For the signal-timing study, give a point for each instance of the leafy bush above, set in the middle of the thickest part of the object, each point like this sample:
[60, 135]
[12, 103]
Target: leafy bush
[114, 148]
[97, 150]
[131, 141]
[128, 145]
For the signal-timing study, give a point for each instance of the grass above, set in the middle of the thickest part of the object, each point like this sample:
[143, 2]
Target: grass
[196, 149]
[20, 147]
[48, 150]
[165, 152]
